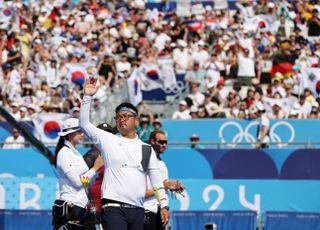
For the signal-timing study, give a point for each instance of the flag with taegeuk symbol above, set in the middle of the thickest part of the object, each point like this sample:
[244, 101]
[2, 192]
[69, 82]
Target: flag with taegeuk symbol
[78, 72]
[311, 80]
[48, 125]
[134, 87]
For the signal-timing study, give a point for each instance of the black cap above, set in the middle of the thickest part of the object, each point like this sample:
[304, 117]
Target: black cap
[106, 127]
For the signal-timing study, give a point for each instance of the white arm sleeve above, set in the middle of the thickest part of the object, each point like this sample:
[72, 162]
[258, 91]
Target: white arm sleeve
[157, 180]
[74, 178]
[84, 122]
[69, 169]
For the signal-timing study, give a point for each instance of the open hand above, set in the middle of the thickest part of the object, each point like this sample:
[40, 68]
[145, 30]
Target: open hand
[91, 86]
[175, 186]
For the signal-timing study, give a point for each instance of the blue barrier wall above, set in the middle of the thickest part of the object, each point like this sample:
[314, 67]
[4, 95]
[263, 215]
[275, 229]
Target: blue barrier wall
[204, 195]
[301, 164]
[274, 180]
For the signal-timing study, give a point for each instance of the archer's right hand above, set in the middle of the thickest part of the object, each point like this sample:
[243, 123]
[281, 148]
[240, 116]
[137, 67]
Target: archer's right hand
[91, 86]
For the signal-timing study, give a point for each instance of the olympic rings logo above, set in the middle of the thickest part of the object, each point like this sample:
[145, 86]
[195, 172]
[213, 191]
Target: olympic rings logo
[176, 88]
[243, 135]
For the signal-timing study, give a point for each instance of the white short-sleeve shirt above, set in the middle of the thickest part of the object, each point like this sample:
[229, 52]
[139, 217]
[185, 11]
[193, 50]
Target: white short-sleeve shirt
[69, 159]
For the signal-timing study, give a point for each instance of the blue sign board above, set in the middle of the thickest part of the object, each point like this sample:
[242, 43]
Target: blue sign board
[228, 133]
[205, 195]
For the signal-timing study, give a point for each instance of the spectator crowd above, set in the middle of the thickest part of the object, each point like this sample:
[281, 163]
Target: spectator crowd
[231, 60]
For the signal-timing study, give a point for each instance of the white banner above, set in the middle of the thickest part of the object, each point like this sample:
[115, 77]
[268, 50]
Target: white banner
[220, 4]
[47, 126]
[134, 87]
[311, 80]
[183, 8]
[197, 9]
[284, 103]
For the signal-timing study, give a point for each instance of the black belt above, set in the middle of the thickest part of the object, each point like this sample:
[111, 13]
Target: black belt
[117, 205]
[113, 203]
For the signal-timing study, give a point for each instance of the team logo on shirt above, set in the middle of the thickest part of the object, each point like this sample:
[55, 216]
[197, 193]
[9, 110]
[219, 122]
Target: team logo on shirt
[51, 129]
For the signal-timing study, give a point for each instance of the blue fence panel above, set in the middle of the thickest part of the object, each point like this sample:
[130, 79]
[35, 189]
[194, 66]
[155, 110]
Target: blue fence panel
[224, 220]
[23, 219]
[292, 220]
[180, 220]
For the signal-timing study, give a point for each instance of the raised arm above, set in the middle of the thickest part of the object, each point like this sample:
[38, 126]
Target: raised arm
[90, 89]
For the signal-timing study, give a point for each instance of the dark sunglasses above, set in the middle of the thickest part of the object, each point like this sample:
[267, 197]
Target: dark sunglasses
[162, 142]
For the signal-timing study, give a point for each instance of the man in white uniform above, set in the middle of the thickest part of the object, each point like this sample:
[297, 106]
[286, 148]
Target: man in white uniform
[159, 142]
[126, 167]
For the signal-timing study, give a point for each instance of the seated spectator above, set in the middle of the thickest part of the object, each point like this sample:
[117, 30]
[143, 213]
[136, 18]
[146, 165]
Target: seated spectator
[304, 107]
[23, 114]
[195, 142]
[183, 112]
[277, 85]
[202, 112]
[157, 124]
[196, 96]
[194, 112]
[75, 112]
[145, 127]
[15, 110]
[277, 112]
[15, 141]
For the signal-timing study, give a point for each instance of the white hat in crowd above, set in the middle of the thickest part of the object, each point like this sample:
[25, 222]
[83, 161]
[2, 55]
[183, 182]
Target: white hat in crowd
[69, 125]
[183, 102]
[182, 43]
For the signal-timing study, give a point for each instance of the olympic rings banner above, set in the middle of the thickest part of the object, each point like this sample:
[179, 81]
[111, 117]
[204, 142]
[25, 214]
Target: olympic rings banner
[233, 133]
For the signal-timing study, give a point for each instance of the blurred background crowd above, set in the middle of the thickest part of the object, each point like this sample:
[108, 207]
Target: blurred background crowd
[232, 60]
